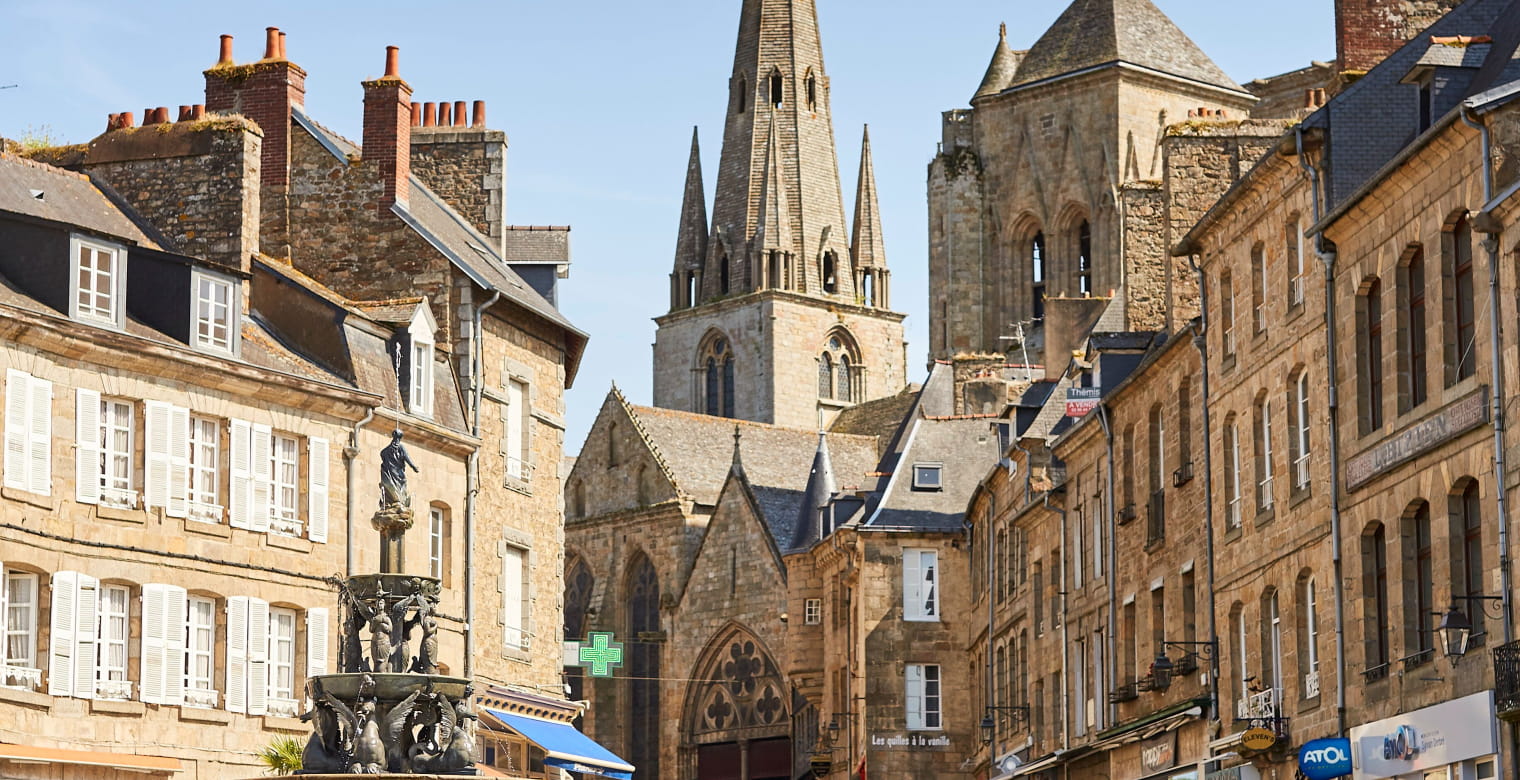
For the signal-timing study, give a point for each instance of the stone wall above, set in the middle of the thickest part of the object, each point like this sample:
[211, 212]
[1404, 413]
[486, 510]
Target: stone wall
[467, 167]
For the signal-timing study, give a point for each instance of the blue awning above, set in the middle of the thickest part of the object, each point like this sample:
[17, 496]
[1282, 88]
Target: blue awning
[565, 747]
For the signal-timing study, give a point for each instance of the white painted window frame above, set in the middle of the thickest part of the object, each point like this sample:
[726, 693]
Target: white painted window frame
[206, 312]
[114, 312]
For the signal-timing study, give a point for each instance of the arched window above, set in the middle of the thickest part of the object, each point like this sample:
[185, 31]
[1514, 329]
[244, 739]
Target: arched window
[812, 91]
[1084, 259]
[846, 387]
[1263, 453]
[1156, 452]
[1298, 430]
[1466, 535]
[643, 626]
[839, 375]
[1232, 472]
[1463, 359]
[723, 274]
[1037, 276]
[1414, 324]
[613, 459]
[1375, 601]
[1308, 635]
[741, 94]
[1271, 641]
[825, 376]
[1419, 582]
[579, 583]
[776, 88]
[1370, 355]
[1293, 241]
[868, 288]
[1258, 288]
[717, 367]
[830, 273]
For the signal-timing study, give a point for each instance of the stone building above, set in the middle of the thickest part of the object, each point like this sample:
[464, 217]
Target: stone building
[274, 301]
[775, 295]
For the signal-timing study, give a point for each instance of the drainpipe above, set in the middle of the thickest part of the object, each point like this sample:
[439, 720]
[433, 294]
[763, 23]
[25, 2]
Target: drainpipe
[1200, 340]
[350, 454]
[472, 481]
[1327, 258]
[1065, 622]
[1110, 572]
[1495, 333]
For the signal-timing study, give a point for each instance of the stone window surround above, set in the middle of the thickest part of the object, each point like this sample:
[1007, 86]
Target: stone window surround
[511, 537]
[517, 371]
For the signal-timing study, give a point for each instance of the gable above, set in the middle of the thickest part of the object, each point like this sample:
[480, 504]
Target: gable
[738, 560]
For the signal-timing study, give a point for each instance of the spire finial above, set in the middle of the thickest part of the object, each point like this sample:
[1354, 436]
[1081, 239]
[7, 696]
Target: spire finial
[1003, 31]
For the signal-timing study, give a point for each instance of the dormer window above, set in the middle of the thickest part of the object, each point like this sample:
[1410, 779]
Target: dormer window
[99, 280]
[215, 324]
[927, 476]
[420, 362]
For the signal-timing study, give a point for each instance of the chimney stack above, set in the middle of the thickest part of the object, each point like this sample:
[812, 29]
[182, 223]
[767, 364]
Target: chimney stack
[459, 113]
[265, 92]
[1367, 31]
[388, 130]
[479, 119]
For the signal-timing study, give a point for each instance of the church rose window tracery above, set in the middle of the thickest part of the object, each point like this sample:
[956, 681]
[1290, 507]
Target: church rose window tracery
[739, 688]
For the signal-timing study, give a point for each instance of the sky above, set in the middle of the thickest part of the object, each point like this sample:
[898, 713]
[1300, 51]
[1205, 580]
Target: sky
[598, 99]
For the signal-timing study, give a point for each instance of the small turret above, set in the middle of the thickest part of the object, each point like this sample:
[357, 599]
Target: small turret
[691, 243]
[1005, 63]
[868, 249]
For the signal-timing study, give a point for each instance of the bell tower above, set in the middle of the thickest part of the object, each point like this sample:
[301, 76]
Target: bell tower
[775, 314]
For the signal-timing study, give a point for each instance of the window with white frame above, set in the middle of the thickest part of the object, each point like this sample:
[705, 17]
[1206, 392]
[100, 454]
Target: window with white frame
[1311, 641]
[812, 612]
[921, 585]
[514, 436]
[923, 697]
[1232, 478]
[99, 282]
[116, 427]
[200, 649]
[422, 377]
[285, 488]
[28, 433]
[205, 443]
[514, 597]
[436, 521]
[215, 314]
[1301, 435]
[18, 665]
[282, 661]
[1275, 641]
[1264, 460]
[111, 669]
[928, 476]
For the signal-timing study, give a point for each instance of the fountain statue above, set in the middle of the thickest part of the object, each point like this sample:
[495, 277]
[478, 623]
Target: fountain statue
[389, 711]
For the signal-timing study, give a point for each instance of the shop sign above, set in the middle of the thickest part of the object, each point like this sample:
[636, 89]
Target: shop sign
[1158, 753]
[914, 741]
[1323, 759]
[1258, 739]
[1242, 772]
[1081, 400]
[1457, 418]
[1428, 738]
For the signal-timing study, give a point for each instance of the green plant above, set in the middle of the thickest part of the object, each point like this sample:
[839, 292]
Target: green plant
[36, 138]
[282, 756]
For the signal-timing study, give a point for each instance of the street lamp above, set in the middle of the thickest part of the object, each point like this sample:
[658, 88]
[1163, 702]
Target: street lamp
[1021, 712]
[822, 761]
[1455, 629]
[1163, 667]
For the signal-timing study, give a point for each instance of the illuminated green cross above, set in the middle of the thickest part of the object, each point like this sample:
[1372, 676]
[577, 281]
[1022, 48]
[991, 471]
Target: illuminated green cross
[603, 654]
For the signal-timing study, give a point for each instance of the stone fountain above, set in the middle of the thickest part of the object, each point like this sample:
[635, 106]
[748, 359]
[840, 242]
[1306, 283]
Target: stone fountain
[388, 711]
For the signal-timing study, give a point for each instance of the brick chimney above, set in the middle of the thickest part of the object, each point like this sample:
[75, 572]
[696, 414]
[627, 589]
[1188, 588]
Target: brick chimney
[1367, 31]
[264, 91]
[388, 130]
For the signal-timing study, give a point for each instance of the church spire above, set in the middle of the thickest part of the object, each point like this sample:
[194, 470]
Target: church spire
[691, 242]
[1000, 72]
[866, 245]
[773, 230]
[820, 489]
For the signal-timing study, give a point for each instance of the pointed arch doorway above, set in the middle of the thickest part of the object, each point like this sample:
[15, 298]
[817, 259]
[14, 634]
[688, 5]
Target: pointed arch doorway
[737, 722]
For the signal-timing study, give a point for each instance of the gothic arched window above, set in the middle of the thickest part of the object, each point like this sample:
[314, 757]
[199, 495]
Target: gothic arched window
[643, 621]
[825, 376]
[1084, 259]
[742, 94]
[776, 88]
[723, 274]
[1037, 276]
[812, 91]
[578, 585]
[830, 273]
[839, 374]
[716, 363]
[846, 388]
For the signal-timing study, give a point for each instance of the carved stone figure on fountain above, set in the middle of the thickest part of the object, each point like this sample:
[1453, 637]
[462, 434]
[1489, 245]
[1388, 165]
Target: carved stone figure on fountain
[369, 748]
[427, 654]
[381, 640]
[331, 744]
[394, 517]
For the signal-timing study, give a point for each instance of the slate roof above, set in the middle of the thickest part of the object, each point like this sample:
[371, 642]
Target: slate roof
[965, 448]
[880, 418]
[1003, 67]
[41, 191]
[1441, 55]
[1092, 33]
[536, 244]
[697, 451]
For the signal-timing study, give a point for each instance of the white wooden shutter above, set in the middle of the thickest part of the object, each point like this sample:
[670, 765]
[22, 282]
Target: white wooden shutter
[18, 387]
[237, 654]
[40, 431]
[155, 635]
[263, 475]
[240, 514]
[179, 461]
[86, 446]
[5, 608]
[915, 696]
[156, 454]
[913, 579]
[65, 586]
[317, 489]
[86, 626]
[176, 606]
[316, 642]
[258, 656]
[512, 596]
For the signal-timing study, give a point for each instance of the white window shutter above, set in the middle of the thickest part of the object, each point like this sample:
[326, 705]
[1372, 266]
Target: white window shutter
[240, 514]
[155, 637]
[40, 468]
[915, 696]
[156, 454]
[317, 490]
[316, 642]
[65, 587]
[912, 582]
[176, 606]
[512, 596]
[929, 591]
[86, 446]
[18, 387]
[179, 461]
[5, 607]
[86, 628]
[258, 656]
[237, 654]
[263, 475]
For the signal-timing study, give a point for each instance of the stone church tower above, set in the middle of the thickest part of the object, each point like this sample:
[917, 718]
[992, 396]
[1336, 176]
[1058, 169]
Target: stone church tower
[779, 313]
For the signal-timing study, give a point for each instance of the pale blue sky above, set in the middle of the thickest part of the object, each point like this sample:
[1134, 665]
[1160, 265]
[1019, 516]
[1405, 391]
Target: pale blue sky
[598, 99]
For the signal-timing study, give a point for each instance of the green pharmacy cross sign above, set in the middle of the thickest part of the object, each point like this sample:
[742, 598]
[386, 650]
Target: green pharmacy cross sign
[602, 654]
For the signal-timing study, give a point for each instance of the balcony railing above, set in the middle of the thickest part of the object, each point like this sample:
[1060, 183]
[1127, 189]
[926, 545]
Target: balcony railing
[1417, 659]
[1155, 521]
[1311, 684]
[1265, 705]
[200, 698]
[204, 513]
[1126, 692]
[21, 677]
[119, 498]
[284, 708]
[115, 690]
[1374, 673]
[1126, 514]
[1183, 474]
[1507, 681]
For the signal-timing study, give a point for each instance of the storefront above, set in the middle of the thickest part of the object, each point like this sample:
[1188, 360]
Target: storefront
[1454, 740]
